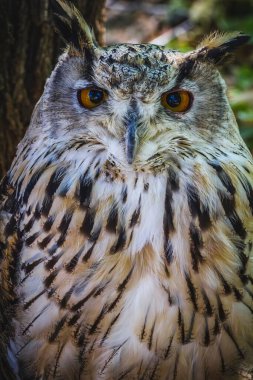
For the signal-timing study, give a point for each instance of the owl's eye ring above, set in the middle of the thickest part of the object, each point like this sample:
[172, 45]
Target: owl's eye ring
[91, 97]
[177, 100]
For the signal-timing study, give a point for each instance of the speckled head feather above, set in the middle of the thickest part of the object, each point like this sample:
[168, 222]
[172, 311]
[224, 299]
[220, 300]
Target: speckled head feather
[126, 220]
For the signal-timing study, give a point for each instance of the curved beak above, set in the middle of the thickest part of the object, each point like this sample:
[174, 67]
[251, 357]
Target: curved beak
[131, 139]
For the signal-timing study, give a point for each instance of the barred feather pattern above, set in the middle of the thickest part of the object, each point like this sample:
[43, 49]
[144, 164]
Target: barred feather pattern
[109, 289]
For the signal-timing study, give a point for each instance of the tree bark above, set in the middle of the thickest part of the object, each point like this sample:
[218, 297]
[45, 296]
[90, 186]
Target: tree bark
[29, 48]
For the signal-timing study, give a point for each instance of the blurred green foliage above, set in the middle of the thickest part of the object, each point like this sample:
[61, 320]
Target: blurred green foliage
[206, 16]
[241, 100]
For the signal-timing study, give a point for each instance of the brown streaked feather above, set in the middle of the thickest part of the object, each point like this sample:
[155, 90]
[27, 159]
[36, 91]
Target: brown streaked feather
[9, 252]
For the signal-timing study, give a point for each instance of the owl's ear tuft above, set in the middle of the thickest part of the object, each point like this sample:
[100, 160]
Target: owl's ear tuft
[72, 28]
[217, 46]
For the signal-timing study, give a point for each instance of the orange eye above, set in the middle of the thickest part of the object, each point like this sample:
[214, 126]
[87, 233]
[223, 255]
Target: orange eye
[177, 101]
[91, 97]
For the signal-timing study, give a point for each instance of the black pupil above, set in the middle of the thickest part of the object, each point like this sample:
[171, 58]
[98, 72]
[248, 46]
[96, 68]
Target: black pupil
[96, 96]
[173, 99]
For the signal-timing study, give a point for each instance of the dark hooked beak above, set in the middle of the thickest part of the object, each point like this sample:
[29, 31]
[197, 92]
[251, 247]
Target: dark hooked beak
[131, 135]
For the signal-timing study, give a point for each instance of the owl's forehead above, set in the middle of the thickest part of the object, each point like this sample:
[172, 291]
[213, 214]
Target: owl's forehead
[130, 68]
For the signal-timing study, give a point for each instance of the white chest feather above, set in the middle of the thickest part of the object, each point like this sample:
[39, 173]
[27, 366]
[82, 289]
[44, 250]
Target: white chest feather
[128, 277]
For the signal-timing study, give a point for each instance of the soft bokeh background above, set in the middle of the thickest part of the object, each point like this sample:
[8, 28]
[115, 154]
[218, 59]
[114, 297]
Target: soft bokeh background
[181, 24]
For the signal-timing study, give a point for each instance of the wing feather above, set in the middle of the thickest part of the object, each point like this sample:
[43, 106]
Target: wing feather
[9, 243]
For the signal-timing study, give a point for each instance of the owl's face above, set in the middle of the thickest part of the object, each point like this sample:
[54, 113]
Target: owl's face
[144, 106]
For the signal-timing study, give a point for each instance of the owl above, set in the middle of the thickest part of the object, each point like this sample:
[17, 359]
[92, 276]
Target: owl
[126, 219]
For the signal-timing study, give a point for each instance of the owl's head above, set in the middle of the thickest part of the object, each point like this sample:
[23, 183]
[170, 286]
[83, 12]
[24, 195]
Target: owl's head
[144, 106]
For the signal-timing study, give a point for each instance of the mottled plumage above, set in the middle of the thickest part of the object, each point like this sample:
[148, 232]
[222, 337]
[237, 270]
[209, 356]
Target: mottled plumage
[126, 229]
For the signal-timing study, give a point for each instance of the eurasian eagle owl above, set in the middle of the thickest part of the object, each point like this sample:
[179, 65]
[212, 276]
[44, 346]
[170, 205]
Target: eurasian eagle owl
[126, 219]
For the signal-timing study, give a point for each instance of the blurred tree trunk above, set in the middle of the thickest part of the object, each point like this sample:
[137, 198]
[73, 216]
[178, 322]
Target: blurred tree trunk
[29, 48]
